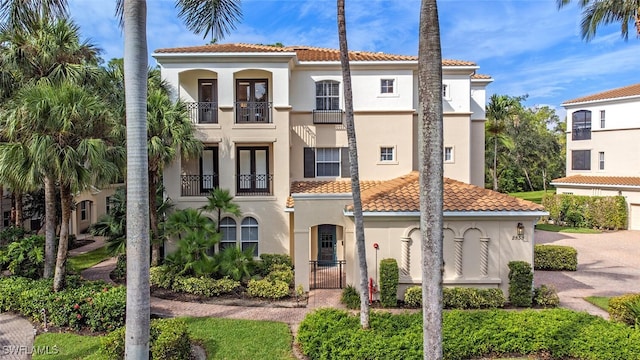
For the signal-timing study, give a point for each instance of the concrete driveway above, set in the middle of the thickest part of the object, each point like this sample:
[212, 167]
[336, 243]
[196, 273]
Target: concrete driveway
[608, 265]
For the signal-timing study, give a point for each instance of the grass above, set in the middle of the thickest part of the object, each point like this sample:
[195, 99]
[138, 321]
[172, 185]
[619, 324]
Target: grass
[535, 196]
[221, 338]
[87, 260]
[558, 228]
[600, 301]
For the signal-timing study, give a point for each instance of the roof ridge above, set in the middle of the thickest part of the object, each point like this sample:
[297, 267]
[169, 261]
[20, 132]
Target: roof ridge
[609, 94]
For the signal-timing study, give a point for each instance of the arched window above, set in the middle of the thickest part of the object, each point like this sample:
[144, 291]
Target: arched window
[229, 234]
[327, 95]
[581, 125]
[249, 234]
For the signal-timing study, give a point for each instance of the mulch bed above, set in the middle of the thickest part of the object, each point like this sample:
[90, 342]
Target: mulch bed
[236, 299]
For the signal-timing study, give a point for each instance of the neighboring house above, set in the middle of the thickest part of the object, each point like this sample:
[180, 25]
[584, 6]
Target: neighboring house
[91, 204]
[271, 119]
[602, 143]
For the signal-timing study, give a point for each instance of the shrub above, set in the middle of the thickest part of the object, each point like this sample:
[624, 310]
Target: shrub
[268, 289]
[169, 340]
[161, 276]
[607, 212]
[520, 283]
[11, 234]
[389, 282]
[619, 309]
[204, 286]
[120, 272]
[24, 257]
[413, 296]
[234, 263]
[281, 272]
[350, 297]
[546, 296]
[264, 266]
[555, 257]
[550, 333]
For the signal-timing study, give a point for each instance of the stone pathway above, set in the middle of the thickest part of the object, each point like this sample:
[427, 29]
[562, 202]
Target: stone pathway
[16, 337]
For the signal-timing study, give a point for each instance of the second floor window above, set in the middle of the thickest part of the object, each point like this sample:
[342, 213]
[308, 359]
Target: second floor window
[448, 154]
[601, 160]
[387, 86]
[581, 160]
[581, 125]
[328, 162]
[327, 95]
[602, 117]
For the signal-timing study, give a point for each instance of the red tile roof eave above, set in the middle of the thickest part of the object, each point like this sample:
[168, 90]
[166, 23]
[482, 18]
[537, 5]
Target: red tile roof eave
[595, 101]
[628, 91]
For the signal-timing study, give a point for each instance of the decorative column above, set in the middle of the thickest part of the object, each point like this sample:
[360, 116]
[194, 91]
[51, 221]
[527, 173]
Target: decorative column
[406, 256]
[484, 256]
[458, 241]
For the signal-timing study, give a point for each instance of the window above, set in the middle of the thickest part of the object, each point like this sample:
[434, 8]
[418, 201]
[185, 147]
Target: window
[581, 125]
[327, 95]
[387, 86]
[209, 169]
[326, 162]
[252, 101]
[229, 237]
[581, 160]
[445, 91]
[83, 210]
[387, 154]
[108, 205]
[602, 121]
[6, 218]
[601, 160]
[448, 154]
[249, 234]
[253, 171]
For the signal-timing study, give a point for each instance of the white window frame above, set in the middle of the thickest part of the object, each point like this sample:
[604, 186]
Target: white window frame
[602, 119]
[256, 241]
[325, 97]
[83, 211]
[224, 226]
[394, 158]
[394, 87]
[446, 91]
[452, 153]
[601, 160]
[323, 149]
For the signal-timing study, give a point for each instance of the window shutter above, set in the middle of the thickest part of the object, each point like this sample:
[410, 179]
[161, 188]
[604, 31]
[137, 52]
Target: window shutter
[344, 163]
[309, 162]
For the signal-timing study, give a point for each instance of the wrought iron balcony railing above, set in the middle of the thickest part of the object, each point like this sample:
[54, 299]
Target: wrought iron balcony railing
[198, 185]
[203, 112]
[327, 116]
[253, 112]
[254, 184]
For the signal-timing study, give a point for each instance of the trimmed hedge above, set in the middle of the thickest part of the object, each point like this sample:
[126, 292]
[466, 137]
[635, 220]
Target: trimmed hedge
[520, 283]
[605, 212]
[169, 340]
[554, 333]
[555, 257]
[268, 289]
[163, 277]
[95, 305]
[389, 278]
[460, 298]
[619, 309]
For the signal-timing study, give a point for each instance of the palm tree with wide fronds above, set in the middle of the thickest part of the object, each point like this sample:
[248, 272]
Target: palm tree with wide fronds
[221, 202]
[603, 12]
[196, 234]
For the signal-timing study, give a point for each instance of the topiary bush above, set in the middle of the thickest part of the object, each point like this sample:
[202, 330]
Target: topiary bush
[169, 340]
[619, 309]
[389, 278]
[555, 257]
[460, 298]
[350, 297]
[268, 289]
[546, 296]
[520, 284]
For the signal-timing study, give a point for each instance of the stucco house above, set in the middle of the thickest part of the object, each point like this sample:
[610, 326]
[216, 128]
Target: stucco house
[602, 138]
[271, 119]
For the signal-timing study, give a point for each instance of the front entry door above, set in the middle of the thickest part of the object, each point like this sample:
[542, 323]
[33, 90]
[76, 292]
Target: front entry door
[326, 244]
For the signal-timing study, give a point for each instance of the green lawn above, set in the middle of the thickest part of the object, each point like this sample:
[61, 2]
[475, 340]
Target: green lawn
[535, 196]
[221, 338]
[87, 260]
[558, 228]
[600, 301]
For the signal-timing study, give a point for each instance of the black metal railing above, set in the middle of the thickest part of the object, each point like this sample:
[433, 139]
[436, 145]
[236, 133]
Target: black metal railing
[203, 112]
[327, 116]
[253, 112]
[198, 185]
[327, 274]
[254, 184]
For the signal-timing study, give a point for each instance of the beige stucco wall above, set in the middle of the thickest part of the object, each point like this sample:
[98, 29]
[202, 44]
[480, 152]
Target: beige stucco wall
[96, 207]
[617, 145]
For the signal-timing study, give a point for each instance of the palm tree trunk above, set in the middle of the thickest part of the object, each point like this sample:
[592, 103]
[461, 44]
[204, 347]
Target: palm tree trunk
[353, 168]
[135, 74]
[153, 218]
[63, 244]
[19, 209]
[49, 227]
[431, 176]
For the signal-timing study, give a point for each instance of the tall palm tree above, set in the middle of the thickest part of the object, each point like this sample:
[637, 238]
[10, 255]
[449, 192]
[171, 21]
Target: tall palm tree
[221, 202]
[353, 167]
[25, 13]
[217, 17]
[430, 127]
[499, 110]
[604, 12]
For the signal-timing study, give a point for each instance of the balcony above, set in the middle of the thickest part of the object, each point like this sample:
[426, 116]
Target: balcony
[254, 184]
[203, 112]
[327, 116]
[198, 185]
[253, 112]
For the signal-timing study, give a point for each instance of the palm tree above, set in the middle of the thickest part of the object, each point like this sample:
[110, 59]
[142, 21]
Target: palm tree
[431, 176]
[600, 12]
[25, 13]
[353, 167]
[217, 17]
[221, 201]
[196, 234]
[499, 110]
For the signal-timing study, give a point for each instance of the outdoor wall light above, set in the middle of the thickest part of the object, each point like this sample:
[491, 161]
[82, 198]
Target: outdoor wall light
[519, 232]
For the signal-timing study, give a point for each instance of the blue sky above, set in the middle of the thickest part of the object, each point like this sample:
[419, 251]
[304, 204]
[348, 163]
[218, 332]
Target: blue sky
[527, 46]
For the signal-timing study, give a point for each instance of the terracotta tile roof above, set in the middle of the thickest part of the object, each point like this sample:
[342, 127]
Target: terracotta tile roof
[327, 187]
[599, 180]
[481, 76]
[631, 90]
[402, 195]
[304, 53]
